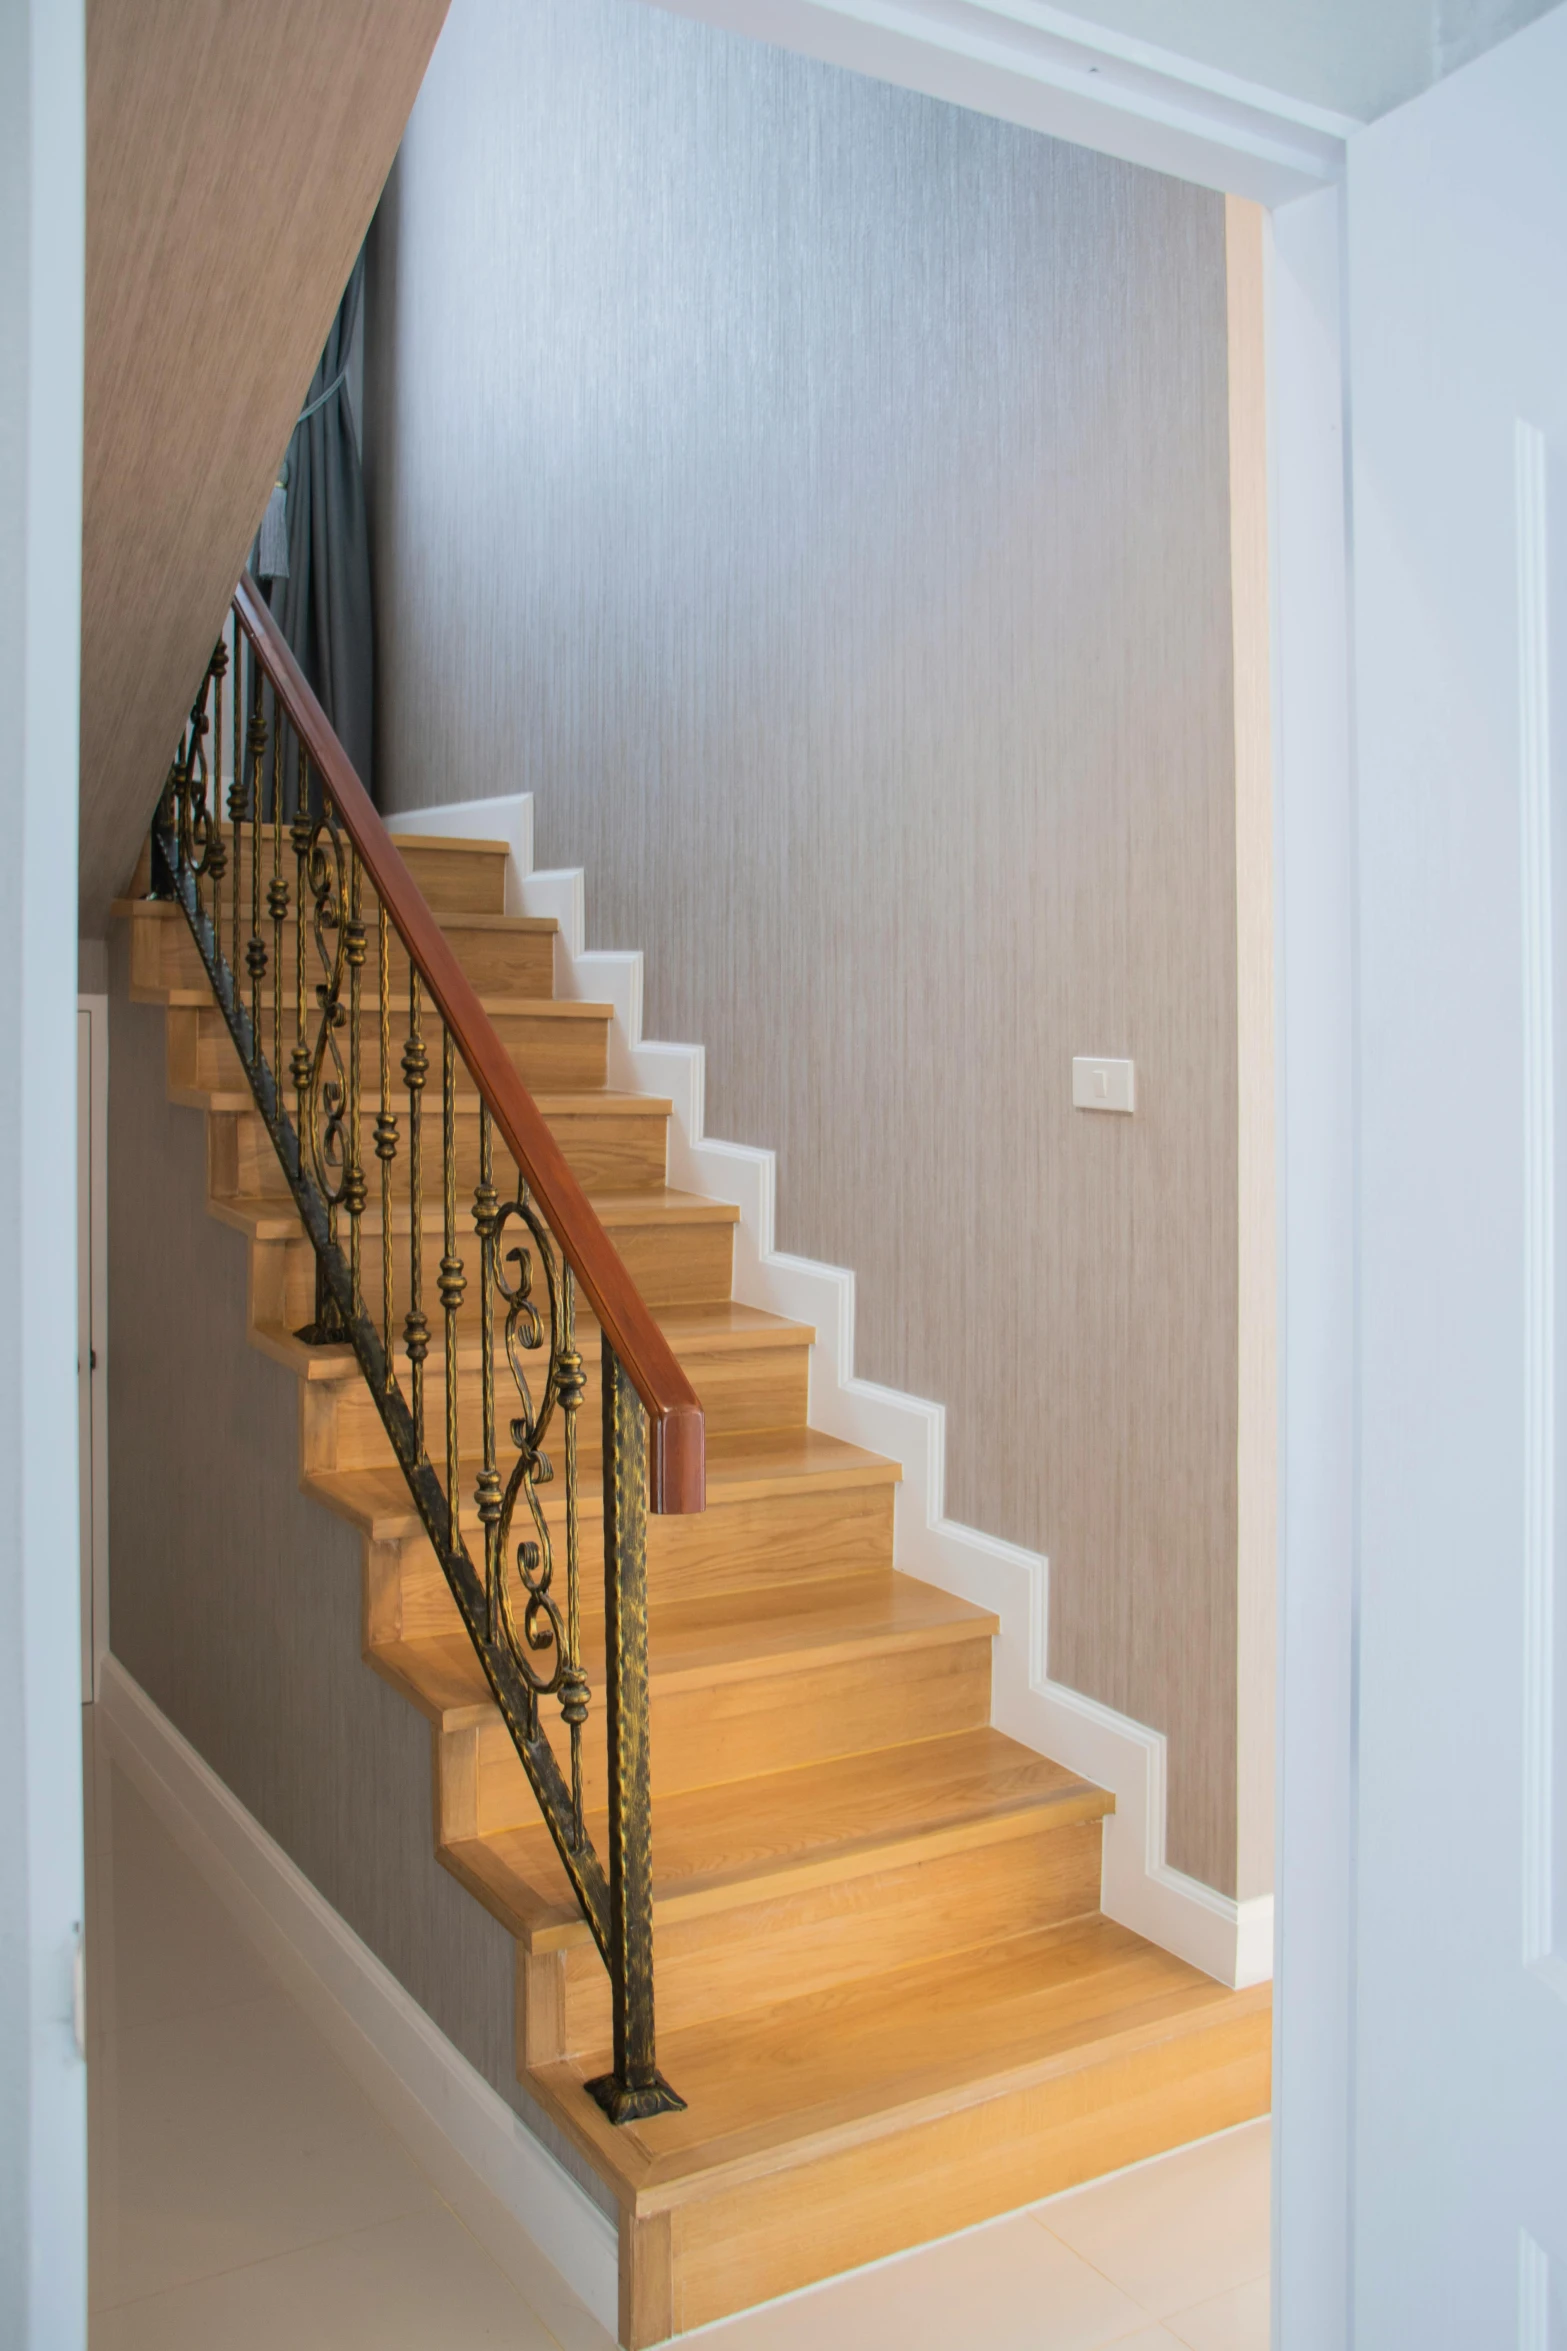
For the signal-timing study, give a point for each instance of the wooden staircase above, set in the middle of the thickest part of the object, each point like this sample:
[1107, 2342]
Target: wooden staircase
[885, 1988]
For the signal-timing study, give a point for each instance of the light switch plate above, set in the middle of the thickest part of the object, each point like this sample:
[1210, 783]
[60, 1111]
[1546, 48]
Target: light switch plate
[1102, 1085]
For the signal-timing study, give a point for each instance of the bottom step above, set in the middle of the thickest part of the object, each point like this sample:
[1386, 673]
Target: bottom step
[825, 2132]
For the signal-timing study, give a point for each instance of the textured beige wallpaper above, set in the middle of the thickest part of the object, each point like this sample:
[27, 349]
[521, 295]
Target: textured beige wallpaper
[817, 496]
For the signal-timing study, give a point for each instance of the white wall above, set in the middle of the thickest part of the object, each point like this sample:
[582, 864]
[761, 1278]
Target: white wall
[42, 2078]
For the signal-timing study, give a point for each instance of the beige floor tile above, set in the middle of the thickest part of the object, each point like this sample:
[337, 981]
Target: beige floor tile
[419, 2284]
[988, 2288]
[1178, 2232]
[159, 1944]
[223, 2138]
[1237, 2321]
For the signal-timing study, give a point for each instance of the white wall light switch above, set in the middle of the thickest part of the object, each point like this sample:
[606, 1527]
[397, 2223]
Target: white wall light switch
[1102, 1085]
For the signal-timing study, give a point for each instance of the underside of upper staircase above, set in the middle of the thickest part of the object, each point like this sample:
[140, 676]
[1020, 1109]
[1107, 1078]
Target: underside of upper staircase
[234, 159]
[885, 1990]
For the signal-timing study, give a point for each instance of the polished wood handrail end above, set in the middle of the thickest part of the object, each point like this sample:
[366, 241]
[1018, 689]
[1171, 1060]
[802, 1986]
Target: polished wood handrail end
[677, 1462]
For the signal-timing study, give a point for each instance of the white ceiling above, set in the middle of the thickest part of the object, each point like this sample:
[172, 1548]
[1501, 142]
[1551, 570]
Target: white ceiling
[1357, 57]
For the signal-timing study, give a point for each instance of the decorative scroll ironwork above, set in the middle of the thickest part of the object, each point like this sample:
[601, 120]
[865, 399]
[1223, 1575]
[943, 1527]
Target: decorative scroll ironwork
[523, 1615]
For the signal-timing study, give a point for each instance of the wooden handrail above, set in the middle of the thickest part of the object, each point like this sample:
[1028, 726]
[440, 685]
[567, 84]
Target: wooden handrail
[677, 1452]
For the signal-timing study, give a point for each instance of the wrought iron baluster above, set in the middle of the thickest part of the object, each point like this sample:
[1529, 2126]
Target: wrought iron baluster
[277, 901]
[416, 1329]
[326, 1140]
[453, 1281]
[299, 835]
[571, 1385]
[635, 2088]
[487, 1493]
[216, 857]
[355, 1188]
[237, 792]
[255, 951]
[386, 1136]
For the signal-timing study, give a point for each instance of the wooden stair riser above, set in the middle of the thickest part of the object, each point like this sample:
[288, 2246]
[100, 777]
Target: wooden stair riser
[783, 1540]
[794, 1711]
[469, 878]
[764, 1388]
[607, 1149]
[556, 1048]
[674, 1263]
[696, 2260]
[723, 1962]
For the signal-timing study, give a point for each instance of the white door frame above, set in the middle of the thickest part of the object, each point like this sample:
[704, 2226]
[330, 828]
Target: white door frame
[1037, 65]
[92, 1276]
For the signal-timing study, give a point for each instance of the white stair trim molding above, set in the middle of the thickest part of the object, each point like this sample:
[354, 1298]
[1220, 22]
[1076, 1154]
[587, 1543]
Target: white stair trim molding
[524, 2207]
[1049, 70]
[1230, 1940]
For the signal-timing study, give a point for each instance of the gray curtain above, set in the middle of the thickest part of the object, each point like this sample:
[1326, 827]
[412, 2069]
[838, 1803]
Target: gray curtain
[322, 603]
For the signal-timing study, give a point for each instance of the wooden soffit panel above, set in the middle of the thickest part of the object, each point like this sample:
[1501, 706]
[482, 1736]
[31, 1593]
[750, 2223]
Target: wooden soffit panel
[235, 154]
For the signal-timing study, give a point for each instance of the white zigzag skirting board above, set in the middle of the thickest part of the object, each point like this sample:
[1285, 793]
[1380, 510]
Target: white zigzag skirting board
[1230, 1940]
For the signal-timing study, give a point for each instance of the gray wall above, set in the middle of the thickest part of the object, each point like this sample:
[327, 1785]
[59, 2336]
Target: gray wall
[236, 1602]
[817, 496]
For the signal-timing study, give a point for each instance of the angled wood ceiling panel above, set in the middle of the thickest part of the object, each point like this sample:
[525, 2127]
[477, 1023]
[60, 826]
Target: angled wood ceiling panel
[235, 154]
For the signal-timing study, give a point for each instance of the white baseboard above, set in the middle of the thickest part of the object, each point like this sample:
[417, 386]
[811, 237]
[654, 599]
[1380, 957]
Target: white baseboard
[520, 2203]
[1230, 1940]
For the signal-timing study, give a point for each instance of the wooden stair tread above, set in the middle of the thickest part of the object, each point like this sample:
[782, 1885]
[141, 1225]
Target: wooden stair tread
[556, 1102]
[723, 1638]
[742, 1466]
[752, 1839]
[770, 2086]
[264, 1218]
[720, 1326]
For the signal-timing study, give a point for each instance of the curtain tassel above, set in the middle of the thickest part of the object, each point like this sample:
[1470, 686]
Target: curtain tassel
[272, 550]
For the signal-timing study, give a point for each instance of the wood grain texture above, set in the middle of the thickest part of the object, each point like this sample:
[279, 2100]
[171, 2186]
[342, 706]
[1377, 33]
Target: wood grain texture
[234, 158]
[828, 521]
[1257, 1448]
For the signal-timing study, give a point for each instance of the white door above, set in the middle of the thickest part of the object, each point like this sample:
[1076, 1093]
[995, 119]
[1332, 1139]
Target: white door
[1457, 257]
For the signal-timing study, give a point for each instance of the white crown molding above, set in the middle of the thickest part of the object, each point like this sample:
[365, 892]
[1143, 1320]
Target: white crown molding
[1055, 72]
[499, 2179]
[1232, 1941]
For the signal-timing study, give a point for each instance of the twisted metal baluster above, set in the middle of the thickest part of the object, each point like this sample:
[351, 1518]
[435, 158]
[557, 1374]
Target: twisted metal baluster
[355, 1189]
[635, 2088]
[255, 951]
[487, 1492]
[277, 902]
[453, 1280]
[571, 1386]
[216, 856]
[237, 792]
[386, 1138]
[416, 1329]
[299, 835]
